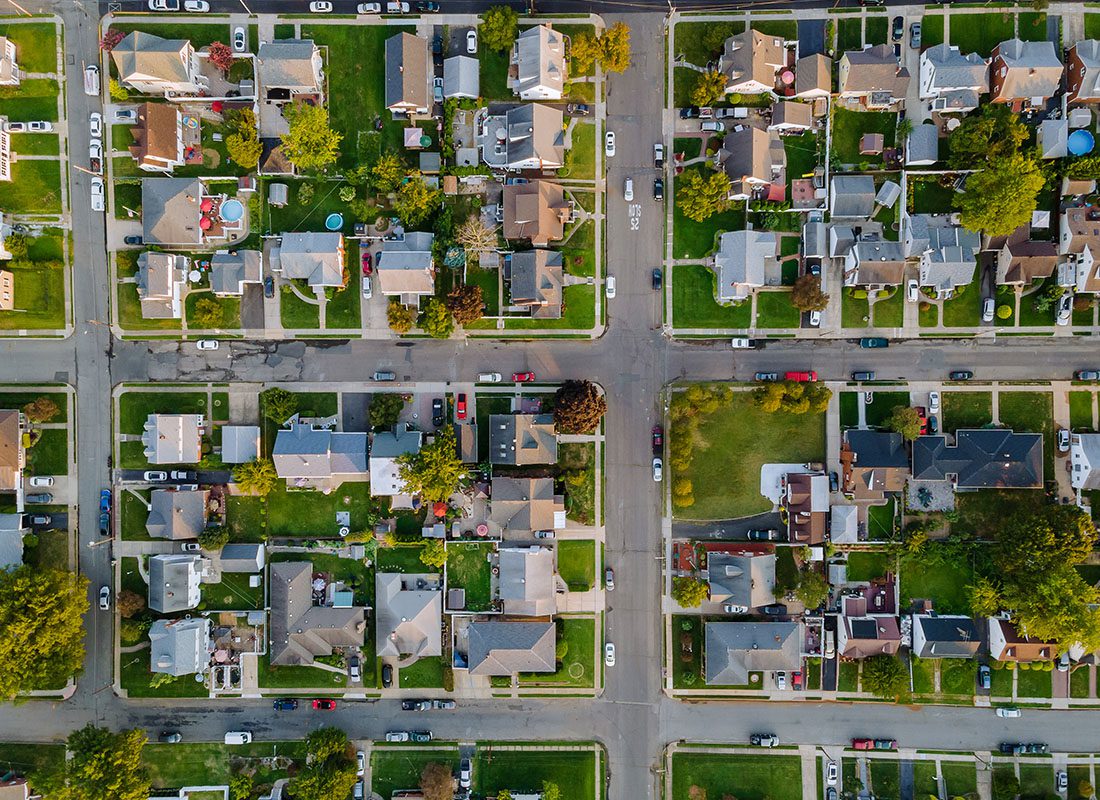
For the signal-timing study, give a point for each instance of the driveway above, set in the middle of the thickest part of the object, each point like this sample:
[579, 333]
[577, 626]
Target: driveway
[811, 37]
[727, 528]
[353, 415]
[252, 307]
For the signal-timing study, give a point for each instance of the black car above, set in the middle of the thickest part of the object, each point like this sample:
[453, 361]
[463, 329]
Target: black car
[437, 412]
[437, 45]
[410, 705]
[1011, 748]
[871, 342]
[134, 240]
[766, 376]
[269, 286]
[658, 189]
[961, 375]
[775, 610]
[427, 7]
[657, 279]
[170, 737]
[898, 29]
[105, 524]
[834, 482]
[285, 704]
[387, 676]
[1036, 747]
[763, 535]
[691, 112]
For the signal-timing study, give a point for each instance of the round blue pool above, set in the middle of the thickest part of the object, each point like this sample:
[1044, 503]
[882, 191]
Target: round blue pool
[334, 221]
[1080, 142]
[232, 210]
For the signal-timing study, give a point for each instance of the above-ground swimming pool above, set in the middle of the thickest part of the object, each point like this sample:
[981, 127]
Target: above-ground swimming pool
[232, 210]
[334, 221]
[1080, 142]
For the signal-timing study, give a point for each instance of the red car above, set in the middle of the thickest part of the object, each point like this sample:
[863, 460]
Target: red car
[460, 407]
[801, 377]
[324, 705]
[863, 744]
[365, 260]
[922, 413]
[523, 377]
[658, 438]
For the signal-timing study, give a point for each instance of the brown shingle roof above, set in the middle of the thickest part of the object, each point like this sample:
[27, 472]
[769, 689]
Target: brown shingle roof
[536, 211]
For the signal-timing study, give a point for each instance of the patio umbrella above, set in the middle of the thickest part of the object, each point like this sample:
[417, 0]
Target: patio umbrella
[205, 223]
[206, 205]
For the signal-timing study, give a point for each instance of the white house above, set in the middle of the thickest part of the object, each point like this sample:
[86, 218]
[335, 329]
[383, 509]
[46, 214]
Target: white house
[538, 63]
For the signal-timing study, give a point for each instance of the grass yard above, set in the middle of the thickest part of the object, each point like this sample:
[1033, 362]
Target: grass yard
[774, 310]
[31, 760]
[1028, 313]
[1036, 780]
[965, 410]
[297, 313]
[343, 310]
[524, 772]
[35, 188]
[848, 676]
[51, 552]
[964, 310]
[297, 677]
[883, 405]
[932, 30]
[1092, 26]
[577, 563]
[32, 99]
[39, 294]
[136, 677]
[693, 303]
[582, 153]
[135, 407]
[134, 512]
[850, 126]
[127, 198]
[426, 673]
[577, 471]
[865, 565]
[688, 671]
[980, 513]
[1079, 682]
[208, 763]
[880, 521]
[692, 239]
[889, 313]
[931, 198]
[855, 312]
[1032, 26]
[958, 677]
[961, 778]
[980, 33]
[747, 777]
[1031, 412]
[230, 308]
[1033, 683]
[200, 35]
[578, 257]
[296, 216]
[232, 594]
[36, 144]
[924, 679]
[942, 581]
[493, 66]
[578, 668]
[849, 34]
[787, 28]
[700, 42]
[402, 558]
[50, 454]
[877, 30]
[354, 573]
[801, 155]
[849, 409]
[35, 43]
[468, 568]
[885, 777]
[397, 769]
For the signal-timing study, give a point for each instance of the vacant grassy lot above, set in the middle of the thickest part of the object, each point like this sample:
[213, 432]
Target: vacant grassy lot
[469, 569]
[733, 444]
[850, 126]
[747, 777]
[693, 303]
[577, 471]
[1033, 683]
[393, 770]
[864, 566]
[577, 563]
[208, 763]
[35, 43]
[691, 239]
[35, 188]
[966, 410]
[39, 295]
[980, 33]
[941, 580]
[573, 771]
[32, 99]
[297, 677]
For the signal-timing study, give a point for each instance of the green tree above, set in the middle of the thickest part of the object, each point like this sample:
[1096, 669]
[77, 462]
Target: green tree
[1005, 784]
[305, 194]
[240, 786]
[710, 88]
[578, 407]
[1001, 198]
[584, 52]
[550, 791]
[101, 766]
[806, 294]
[214, 538]
[615, 48]
[689, 592]
[243, 145]
[257, 477]
[129, 603]
[208, 313]
[416, 200]
[385, 409]
[884, 676]
[984, 598]
[399, 316]
[1055, 606]
[436, 471]
[387, 173]
[278, 405]
[310, 143]
[41, 632]
[1048, 537]
[465, 302]
[434, 553]
[327, 743]
[498, 28]
[41, 409]
[17, 245]
[117, 92]
[992, 135]
[437, 782]
[792, 397]
[437, 321]
[812, 588]
[701, 197]
[906, 421]
[220, 55]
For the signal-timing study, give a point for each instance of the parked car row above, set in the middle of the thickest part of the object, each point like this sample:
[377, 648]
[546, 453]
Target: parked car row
[427, 705]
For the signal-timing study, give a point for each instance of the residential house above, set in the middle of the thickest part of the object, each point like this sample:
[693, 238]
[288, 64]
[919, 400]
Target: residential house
[750, 61]
[743, 260]
[408, 74]
[844, 524]
[7, 290]
[1020, 259]
[314, 456]
[734, 649]
[789, 116]
[240, 443]
[242, 558]
[872, 77]
[530, 136]
[1083, 72]
[922, 145]
[755, 161]
[1079, 238]
[298, 630]
[160, 280]
[1084, 456]
[813, 77]
[149, 64]
[873, 463]
[523, 505]
[815, 240]
[947, 253]
[5, 162]
[527, 581]
[852, 197]
[536, 210]
[386, 448]
[461, 77]
[177, 513]
[408, 614]
[536, 282]
[13, 457]
[158, 137]
[404, 268]
[13, 527]
[508, 647]
[807, 503]
[173, 438]
[952, 81]
[180, 646]
[171, 211]
[537, 68]
[875, 263]
[1024, 74]
[289, 69]
[742, 579]
[866, 636]
[10, 74]
[990, 458]
[945, 636]
[174, 582]
[522, 439]
[1007, 643]
[317, 258]
[232, 270]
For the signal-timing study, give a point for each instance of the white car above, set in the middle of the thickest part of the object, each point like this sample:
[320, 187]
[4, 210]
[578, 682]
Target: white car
[368, 8]
[196, 6]
[207, 344]
[95, 124]
[609, 144]
[912, 291]
[988, 307]
[240, 41]
[104, 598]
[1065, 308]
[815, 319]
[368, 290]
[98, 197]
[38, 126]
[609, 286]
[489, 377]
[41, 481]
[658, 470]
[933, 402]
[397, 736]
[164, 5]
[609, 654]
[95, 150]
[730, 608]
[360, 763]
[832, 774]
[1008, 712]
[320, 7]
[155, 475]
[91, 80]
[628, 190]
[191, 547]
[781, 680]
[471, 42]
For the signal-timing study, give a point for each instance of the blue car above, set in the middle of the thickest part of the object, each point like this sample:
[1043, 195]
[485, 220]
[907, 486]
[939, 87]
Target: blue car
[105, 500]
[285, 704]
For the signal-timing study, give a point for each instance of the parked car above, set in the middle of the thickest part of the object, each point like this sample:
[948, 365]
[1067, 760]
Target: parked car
[41, 520]
[609, 654]
[766, 376]
[1061, 780]
[427, 7]
[609, 579]
[961, 375]
[763, 535]
[912, 289]
[444, 705]
[360, 763]
[834, 482]
[872, 342]
[207, 344]
[368, 288]
[658, 438]
[897, 30]
[324, 704]
[863, 744]
[1008, 712]
[387, 676]
[395, 7]
[95, 124]
[743, 343]
[471, 42]
[368, 8]
[933, 402]
[886, 744]
[1086, 375]
[1065, 309]
[45, 481]
[183, 475]
[437, 411]
[191, 547]
[384, 375]
[397, 736]
[984, 677]
[1063, 662]
[98, 198]
[581, 109]
[460, 407]
[656, 279]
[240, 41]
[523, 377]
[269, 287]
[91, 77]
[355, 671]
[137, 241]
[830, 793]
[104, 598]
[731, 608]
[764, 739]
[781, 680]
[814, 319]
[414, 705]
[658, 156]
[104, 523]
[658, 469]
[658, 189]
[774, 610]
[832, 773]
[196, 6]
[988, 306]
[125, 115]
[155, 475]
[365, 262]
[547, 534]
[914, 35]
[1062, 440]
[40, 498]
[1011, 748]
[170, 737]
[609, 144]
[691, 112]
[712, 126]
[609, 286]
[464, 773]
[489, 377]
[864, 375]
[801, 377]
[320, 7]
[628, 189]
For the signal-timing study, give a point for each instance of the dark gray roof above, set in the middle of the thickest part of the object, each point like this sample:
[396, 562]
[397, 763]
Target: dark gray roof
[242, 557]
[982, 459]
[299, 630]
[923, 144]
[852, 196]
[176, 514]
[306, 451]
[945, 637]
[744, 580]
[505, 648]
[733, 649]
[877, 448]
[230, 271]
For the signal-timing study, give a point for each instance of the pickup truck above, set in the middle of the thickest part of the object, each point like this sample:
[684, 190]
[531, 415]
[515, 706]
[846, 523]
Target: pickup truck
[801, 377]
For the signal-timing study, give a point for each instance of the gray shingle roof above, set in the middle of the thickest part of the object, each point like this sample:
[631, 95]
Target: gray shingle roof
[405, 266]
[525, 504]
[408, 615]
[989, 458]
[733, 649]
[923, 144]
[506, 647]
[230, 271]
[522, 439]
[461, 77]
[537, 280]
[242, 557]
[877, 448]
[293, 64]
[170, 210]
[744, 580]
[303, 451]
[852, 196]
[299, 630]
[175, 514]
[312, 256]
[527, 581]
[179, 647]
[741, 262]
[174, 582]
[953, 70]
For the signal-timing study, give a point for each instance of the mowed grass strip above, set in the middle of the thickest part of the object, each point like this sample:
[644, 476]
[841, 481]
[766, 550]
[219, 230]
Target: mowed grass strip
[746, 777]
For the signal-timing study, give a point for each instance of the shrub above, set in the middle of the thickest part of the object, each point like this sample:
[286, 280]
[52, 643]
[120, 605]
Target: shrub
[1004, 311]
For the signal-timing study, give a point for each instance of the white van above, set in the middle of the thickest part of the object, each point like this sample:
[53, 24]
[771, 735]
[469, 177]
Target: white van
[238, 737]
[742, 343]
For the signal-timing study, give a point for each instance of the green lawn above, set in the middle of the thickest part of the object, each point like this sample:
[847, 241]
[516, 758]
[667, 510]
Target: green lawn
[31, 760]
[883, 405]
[774, 310]
[135, 679]
[402, 558]
[880, 521]
[1033, 683]
[311, 216]
[961, 778]
[1092, 26]
[1028, 313]
[964, 310]
[855, 312]
[850, 126]
[395, 770]
[493, 66]
[35, 188]
[848, 676]
[578, 666]
[1036, 780]
[885, 777]
[524, 772]
[692, 239]
[801, 153]
[297, 313]
[297, 677]
[980, 33]
[582, 152]
[208, 763]
[787, 28]
[700, 42]
[747, 777]
[981, 513]
[32, 99]
[865, 566]
[50, 454]
[1079, 682]
[932, 30]
[577, 563]
[230, 307]
[134, 513]
[200, 34]
[36, 144]
[877, 30]
[1031, 412]
[924, 681]
[343, 310]
[849, 34]
[889, 313]
[127, 198]
[468, 568]
[577, 470]
[578, 312]
[39, 295]
[426, 673]
[941, 580]
[1081, 405]
[135, 407]
[958, 676]
[36, 45]
[965, 410]
[849, 408]
[51, 552]
[233, 593]
[929, 197]
[578, 256]
[693, 303]
[734, 442]
[354, 573]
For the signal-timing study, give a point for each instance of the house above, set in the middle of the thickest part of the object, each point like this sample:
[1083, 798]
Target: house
[734, 649]
[922, 145]
[1053, 138]
[232, 270]
[536, 282]
[174, 582]
[807, 503]
[945, 636]
[1079, 238]
[10, 74]
[750, 61]
[242, 558]
[522, 439]
[743, 260]
[990, 458]
[536, 210]
[866, 636]
[527, 581]
[844, 524]
[508, 647]
[160, 280]
[408, 614]
[180, 646]
[1024, 74]
[948, 253]
[791, 117]
[537, 69]
[13, 457]
[1007, 643]
[404, 267]
[521, 505]
[314, 456]
[240, 443]
[1083, 72]
[875, 263]
[13, 527]
[1084, 456]
[170, 211]
[151, 65]
[298, 630]
[813, 77]
[5, 163]
[1020, 259]
[753, 159]
[872, 77]
[743, 579]
[177, 513]
[951, 80]
[7, 290]
[289, 69]
[386, 448]
[873, 463]
[461, 77]
[852, 197]
[408, 74]
[14, 788]
[529, 136]
[158, 137]
[317, 258]
[173, 438]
